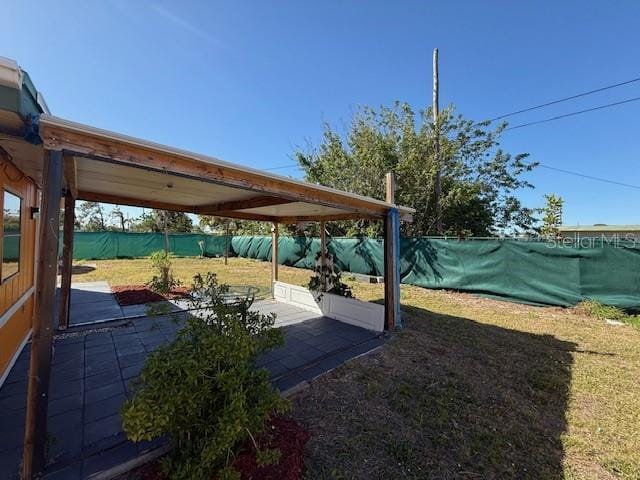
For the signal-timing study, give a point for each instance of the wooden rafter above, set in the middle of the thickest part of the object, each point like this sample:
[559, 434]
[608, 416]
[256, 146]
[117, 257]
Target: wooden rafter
[172, 207]
[254, 202]
[133, 202]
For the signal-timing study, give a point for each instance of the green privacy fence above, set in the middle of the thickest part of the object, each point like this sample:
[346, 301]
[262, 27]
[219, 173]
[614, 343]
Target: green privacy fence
[10, 247]
[531, 272]
[104, 245]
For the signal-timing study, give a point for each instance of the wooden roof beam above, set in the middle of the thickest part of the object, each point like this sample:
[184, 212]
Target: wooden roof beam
[172, 207]
[254, 202]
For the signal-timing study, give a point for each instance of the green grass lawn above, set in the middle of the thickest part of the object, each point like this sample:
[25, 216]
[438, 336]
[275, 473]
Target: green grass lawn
[471, 388]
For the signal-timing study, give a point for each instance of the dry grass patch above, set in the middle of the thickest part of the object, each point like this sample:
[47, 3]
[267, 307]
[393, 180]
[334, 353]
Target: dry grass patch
[471, 389]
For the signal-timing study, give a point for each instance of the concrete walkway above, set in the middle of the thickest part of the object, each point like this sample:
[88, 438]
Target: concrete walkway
[92, 373]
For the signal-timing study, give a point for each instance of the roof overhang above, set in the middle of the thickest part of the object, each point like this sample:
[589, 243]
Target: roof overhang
[112, 168]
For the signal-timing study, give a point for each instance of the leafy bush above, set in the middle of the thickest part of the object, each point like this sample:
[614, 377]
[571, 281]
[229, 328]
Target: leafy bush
[163, 281]
[203, 390]
[332, 276]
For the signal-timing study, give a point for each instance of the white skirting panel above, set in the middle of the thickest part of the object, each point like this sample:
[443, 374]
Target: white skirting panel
[348, 310]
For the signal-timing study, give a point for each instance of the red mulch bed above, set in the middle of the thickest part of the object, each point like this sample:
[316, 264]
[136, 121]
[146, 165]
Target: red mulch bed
[281, 433]
[139, 294]
[285, 435]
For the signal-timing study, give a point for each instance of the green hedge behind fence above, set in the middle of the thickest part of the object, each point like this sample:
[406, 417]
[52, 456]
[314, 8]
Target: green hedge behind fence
[532, 272]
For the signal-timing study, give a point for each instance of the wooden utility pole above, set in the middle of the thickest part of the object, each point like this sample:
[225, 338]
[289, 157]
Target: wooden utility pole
[436, 126]
[35, 439]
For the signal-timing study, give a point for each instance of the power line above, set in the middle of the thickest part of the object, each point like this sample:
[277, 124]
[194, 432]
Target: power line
[590, 177]
[558, 117]
[282, 167]
[565, 99]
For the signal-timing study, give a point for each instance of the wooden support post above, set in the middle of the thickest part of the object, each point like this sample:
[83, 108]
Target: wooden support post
[323, 256]
[226, 242]
[67, 261]
[43, 319]
[391, 260]
[274, 255]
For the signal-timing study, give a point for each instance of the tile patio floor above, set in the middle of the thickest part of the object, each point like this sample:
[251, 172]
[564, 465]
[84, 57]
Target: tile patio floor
[92, 373]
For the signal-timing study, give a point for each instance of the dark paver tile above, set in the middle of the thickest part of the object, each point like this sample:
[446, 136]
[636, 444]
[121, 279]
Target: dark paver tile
[71, 472]
[329, 363]
[109, 458]
[132, 371]
[11, 418]
[16, 375]
[103, 408]
[130, 350]
[9, 389]
[288, 382]
[94, 358]
[10, 463]
[65, 444]
[12, 436]
[60, 348]
[99, 367]
[279, 353]
[101, 379]
[64, 404]
[69, 373]
[64, 421]
[13, 402]
[123, 332]
[275, 368]
[310, 354]
[292, 361]
[92, 350]
[101, 429]
[102, 393]
[104, 444]
[60, 390]
[319, 339]
[336, 343]
[129, 360]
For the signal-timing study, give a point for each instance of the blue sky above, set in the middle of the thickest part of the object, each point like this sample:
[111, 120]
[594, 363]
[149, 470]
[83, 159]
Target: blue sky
[250, 81]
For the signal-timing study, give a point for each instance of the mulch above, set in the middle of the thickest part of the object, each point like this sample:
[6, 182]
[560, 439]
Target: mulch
[141, 294]
[284, 434]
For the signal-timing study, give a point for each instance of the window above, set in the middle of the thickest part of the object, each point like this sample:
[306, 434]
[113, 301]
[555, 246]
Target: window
[11, 235]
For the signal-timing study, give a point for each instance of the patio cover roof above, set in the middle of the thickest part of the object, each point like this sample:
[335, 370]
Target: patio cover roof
[108, 167]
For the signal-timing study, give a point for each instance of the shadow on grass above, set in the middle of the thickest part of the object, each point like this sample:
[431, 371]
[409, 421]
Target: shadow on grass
[448, 398]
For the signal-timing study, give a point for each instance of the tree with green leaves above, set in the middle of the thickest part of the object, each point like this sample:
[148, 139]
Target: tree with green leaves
[479, 179]
[91, 217]
[236, 227]
[552, 216]
[157, 220]
[118, 216]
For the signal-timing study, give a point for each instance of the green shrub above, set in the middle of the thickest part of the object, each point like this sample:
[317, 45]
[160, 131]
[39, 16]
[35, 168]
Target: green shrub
[202, 390]
[163, 281]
